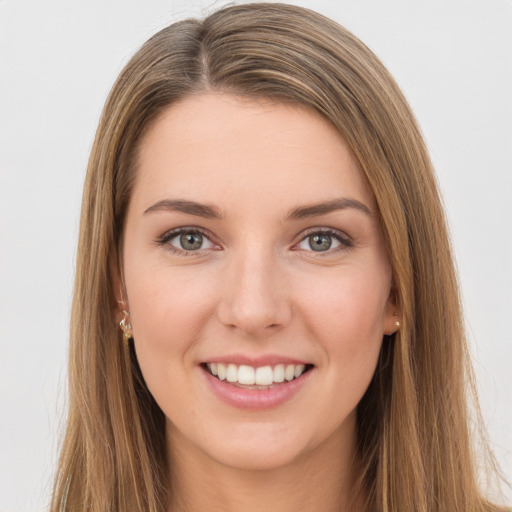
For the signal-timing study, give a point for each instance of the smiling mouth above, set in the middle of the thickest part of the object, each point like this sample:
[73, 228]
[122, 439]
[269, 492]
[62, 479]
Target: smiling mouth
[263, 377]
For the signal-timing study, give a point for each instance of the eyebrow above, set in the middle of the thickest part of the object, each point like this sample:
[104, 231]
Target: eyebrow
[302, 212]
[183, 206]
[327, 207]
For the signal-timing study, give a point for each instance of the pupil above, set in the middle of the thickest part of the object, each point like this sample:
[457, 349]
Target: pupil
[191, 241]
[320, 242]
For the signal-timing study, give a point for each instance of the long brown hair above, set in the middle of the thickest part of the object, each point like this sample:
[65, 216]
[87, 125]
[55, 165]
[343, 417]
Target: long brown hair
[413, 435]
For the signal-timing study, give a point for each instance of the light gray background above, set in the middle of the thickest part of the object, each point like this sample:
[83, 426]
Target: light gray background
[59, 59]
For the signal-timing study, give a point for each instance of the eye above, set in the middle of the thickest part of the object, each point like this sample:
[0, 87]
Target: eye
[324, 241]
[186, 240]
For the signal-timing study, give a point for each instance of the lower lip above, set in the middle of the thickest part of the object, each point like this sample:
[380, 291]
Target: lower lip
[256, 399]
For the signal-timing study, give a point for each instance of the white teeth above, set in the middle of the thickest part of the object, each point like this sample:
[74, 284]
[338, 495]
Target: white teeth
[262, 376]
[279, 373]
[246, 375]
[221, 371]
[232, 373]
[289, 373]
[298, 370]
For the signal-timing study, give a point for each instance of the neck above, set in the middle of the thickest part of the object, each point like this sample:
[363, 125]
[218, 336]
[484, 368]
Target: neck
[322, 480]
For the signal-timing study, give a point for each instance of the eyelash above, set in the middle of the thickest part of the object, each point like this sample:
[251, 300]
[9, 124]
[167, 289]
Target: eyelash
[164, 240]
[345, 242]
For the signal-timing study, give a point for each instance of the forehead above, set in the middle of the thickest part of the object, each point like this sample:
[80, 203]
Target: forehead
[234, 151]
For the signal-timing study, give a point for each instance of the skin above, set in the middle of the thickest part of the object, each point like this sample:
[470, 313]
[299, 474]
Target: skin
[255, 287]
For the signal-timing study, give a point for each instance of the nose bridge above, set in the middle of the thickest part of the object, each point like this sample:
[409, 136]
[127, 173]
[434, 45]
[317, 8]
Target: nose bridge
[255, 299]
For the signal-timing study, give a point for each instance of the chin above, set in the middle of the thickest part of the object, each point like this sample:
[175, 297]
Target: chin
[256, 458]
[258, 447]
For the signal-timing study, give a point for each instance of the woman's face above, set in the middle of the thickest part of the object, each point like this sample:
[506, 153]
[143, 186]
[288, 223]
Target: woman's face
[253, 251]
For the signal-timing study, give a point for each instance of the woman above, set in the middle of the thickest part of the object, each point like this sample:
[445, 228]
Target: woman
[261, 219]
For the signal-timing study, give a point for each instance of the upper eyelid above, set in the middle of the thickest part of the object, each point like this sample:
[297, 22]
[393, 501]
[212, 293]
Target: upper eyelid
[331, 231]
[172, 233]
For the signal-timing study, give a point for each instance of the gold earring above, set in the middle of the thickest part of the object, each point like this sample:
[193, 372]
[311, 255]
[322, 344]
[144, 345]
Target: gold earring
[397, 323]
[126, 327]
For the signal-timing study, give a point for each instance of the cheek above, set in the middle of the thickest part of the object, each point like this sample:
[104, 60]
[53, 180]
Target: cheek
[163, 302]
[346, 316]
[168, 313]
[351, 302]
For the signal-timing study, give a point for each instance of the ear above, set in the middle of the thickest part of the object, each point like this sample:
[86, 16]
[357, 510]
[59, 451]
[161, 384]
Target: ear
[392, 314]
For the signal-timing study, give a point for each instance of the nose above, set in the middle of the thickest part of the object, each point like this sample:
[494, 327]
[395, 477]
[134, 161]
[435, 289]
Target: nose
[256, 299]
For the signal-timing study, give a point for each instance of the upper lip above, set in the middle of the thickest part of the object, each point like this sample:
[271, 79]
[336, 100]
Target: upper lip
[256, 362]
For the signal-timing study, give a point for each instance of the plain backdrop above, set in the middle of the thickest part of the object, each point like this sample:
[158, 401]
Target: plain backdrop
[59, 59]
